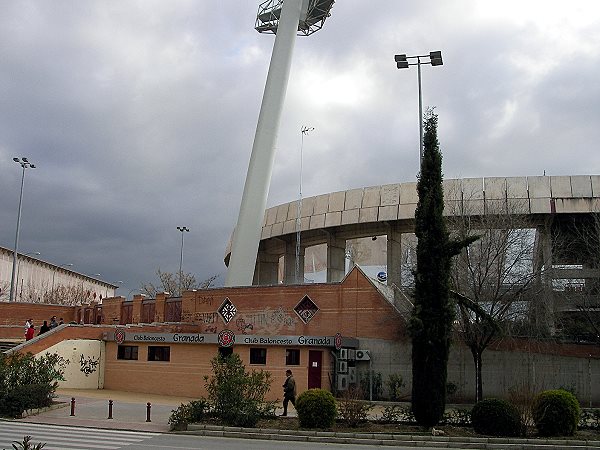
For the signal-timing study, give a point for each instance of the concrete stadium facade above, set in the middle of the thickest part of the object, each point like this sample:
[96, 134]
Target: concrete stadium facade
[542, 203]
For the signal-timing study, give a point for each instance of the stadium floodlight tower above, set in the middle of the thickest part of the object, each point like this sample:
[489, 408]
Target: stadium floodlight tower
[285, 19]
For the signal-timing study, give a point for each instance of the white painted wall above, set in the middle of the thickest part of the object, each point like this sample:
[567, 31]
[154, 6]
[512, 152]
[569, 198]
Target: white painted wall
[85, 363]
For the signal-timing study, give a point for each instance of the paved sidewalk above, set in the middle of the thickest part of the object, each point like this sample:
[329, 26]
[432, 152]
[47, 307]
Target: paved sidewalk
[91, 410]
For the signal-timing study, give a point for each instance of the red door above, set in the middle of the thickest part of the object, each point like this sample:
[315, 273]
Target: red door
[315, 361]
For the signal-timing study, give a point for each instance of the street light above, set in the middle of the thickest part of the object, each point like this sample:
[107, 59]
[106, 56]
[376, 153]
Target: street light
[54, 273]
[182, 229]
[25, 164]
[116, 287]
[435, 59]
[19, 269]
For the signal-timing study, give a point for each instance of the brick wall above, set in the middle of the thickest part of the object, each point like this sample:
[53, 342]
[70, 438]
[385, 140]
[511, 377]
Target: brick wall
[14, 314]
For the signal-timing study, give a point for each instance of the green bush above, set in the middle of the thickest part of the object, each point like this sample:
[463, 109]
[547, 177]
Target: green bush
[28, 382]
[316, 409]
[556, 413]
[192, 412]
[237, 397]
[497, 417]
[395, 383]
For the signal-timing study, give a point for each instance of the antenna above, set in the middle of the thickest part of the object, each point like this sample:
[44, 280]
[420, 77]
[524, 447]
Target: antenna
[303, 132]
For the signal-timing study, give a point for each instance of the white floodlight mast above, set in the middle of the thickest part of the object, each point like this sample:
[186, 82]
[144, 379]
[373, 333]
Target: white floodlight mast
[246, 236]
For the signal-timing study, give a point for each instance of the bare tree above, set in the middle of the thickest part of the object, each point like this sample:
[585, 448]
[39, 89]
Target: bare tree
[175, 283]
[576, 276]
[492, 279]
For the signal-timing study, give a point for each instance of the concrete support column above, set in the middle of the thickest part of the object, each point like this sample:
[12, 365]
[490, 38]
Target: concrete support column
[394, 257]
[544, 308]
[266, 271]
[289, 263]
[336, 258]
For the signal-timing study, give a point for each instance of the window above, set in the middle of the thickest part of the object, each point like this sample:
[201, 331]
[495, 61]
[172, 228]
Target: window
[127, 352]
[292, 357]
[224, 352]
[159, 353]
[258, 356]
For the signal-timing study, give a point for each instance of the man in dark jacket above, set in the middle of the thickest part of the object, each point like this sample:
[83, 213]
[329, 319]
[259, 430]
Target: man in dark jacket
[289, 391]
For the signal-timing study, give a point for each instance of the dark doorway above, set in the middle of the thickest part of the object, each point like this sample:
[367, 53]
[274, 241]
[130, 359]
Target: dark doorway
[315, 361]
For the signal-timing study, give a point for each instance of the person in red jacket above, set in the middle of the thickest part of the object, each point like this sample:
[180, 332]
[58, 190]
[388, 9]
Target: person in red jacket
[30, 333]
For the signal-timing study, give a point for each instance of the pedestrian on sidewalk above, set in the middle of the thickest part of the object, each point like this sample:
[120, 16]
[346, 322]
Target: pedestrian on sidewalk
[53, 322]
[30, 333]
[289, 391]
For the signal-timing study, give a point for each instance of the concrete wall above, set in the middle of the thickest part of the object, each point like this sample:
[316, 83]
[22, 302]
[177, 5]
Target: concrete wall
[84, 363]
[503, 369]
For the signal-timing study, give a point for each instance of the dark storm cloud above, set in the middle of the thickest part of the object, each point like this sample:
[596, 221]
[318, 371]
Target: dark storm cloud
[141, 115]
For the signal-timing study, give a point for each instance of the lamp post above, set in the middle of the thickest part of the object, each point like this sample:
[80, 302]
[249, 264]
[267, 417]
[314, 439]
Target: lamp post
[25, 164]
[435, 59]
[117, 287]
[182, 229]
[19, 269]
[54, 273]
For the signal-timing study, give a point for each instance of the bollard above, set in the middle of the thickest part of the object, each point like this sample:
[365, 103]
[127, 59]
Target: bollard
[110, 403]
[72, 406]
[148, 406]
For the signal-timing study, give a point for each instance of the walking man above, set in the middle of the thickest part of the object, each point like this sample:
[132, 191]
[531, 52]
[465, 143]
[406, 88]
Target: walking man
[289, 391]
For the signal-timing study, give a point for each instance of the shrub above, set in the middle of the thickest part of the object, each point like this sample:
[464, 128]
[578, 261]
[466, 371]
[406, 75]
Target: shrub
[316, 409]
[395, 383]
[237, 396]
[496, 417]
[192, 412]
[352, 409]
[27, 382]
[556, 413]
[365, 384]
[397, 414]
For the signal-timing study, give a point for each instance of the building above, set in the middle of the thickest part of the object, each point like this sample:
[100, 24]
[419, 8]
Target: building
[332, 335]
[39, 281]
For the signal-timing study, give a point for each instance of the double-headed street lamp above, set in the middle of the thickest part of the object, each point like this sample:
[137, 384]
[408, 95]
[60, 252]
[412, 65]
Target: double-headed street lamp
[435, 59]
[25, 164]
[182, 229]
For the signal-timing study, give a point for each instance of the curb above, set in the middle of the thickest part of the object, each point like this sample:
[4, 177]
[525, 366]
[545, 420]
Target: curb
[388, 439]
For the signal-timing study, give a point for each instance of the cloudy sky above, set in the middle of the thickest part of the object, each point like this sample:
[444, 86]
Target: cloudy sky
[140, 115]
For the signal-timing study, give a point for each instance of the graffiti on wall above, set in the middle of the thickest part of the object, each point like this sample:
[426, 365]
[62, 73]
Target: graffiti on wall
[210, 329]
[88, 365]
[205, 317]
[242, 326]
[271, 320]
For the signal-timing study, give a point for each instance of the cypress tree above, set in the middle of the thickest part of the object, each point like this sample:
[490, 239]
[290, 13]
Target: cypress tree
[433, 313]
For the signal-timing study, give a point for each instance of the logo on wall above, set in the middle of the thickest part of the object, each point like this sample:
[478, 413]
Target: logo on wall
[226, 338]
[338, 341]
[119, 336]
[227, 311]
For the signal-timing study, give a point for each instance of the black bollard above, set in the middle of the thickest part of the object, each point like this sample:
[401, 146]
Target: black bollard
[72, 406]
[148, 406]
[110, 403]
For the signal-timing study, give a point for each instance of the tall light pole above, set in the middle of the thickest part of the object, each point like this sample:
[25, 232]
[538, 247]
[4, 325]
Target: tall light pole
[25, 164]
[284, 18]
[19, 269]
[435, 59]
[182, 229]
[54, 273]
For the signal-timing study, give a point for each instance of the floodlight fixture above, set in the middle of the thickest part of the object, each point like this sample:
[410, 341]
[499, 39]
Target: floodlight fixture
[312, 16]
[435, 59]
